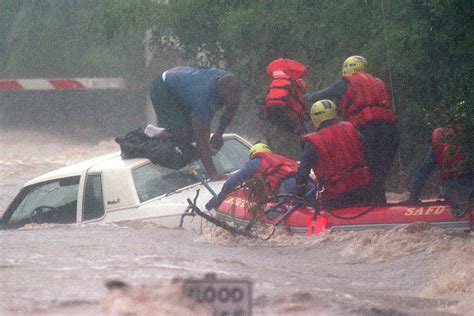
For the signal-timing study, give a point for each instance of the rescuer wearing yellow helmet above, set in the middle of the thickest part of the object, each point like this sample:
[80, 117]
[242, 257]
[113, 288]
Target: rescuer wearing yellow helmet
[323, 111]
[276, 171]
[353, 65]
[336, 153]
[259, 148]
[364, 101]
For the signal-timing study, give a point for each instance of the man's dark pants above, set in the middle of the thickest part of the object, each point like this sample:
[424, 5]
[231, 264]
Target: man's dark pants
[382, 139]
[171, 115]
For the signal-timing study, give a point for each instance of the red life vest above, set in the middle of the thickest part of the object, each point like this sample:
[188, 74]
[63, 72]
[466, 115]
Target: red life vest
[274, 169]
[341, 163]
[285, 93]
[448, 157]
[366, 100]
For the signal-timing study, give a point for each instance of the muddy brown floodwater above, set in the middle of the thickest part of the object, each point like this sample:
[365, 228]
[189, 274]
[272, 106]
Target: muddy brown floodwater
[62, 269]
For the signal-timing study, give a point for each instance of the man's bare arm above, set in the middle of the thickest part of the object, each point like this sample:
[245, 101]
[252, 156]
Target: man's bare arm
[216, 140]
[230, 91]
[228, 114]
[201, 133]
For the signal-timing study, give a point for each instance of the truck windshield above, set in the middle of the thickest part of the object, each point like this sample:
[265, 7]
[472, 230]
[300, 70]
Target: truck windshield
[152, 180]
[52, 201]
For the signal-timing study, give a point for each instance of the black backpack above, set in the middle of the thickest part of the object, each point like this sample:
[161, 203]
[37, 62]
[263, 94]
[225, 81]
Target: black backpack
[167, 153]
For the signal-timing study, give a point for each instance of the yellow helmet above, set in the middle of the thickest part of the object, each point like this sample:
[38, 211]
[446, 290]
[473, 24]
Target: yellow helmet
[354, 64]
[323, 110]
[259, 148]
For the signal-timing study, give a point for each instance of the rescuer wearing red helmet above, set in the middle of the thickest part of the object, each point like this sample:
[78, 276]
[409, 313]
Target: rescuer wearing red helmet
[364, 101]
[276, 171]
[456, 169]
[336, 153]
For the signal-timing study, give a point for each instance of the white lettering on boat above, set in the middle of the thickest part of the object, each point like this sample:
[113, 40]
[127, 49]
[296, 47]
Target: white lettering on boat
[435, 210]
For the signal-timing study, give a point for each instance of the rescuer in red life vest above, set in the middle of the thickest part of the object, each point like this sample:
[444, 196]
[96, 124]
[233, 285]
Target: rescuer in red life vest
[283, 105]
[456, 170]
[364, 101]
[277, 171]
[336, 154]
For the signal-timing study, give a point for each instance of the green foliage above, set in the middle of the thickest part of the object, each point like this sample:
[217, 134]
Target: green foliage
[113, 17]
[55, 38]
[423, 49]
[462, 115]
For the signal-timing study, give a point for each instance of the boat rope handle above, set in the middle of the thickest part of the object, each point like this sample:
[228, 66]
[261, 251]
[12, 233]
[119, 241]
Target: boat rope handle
[368, 210]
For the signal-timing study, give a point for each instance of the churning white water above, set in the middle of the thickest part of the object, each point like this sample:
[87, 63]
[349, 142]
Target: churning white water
[62, 269]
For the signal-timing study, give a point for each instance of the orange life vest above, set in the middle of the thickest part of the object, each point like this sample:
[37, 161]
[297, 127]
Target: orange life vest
[285, 93]
[366, 100]
[448, 157]
[341, 165]
[274, 169]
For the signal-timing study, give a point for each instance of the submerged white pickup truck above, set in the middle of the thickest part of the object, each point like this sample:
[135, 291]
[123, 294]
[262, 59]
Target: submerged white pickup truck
[111, 189]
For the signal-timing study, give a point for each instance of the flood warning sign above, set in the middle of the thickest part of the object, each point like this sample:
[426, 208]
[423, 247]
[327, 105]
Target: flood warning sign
[230, 297]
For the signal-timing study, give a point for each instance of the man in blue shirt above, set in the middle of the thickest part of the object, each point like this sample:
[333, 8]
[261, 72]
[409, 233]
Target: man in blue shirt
[185, 100]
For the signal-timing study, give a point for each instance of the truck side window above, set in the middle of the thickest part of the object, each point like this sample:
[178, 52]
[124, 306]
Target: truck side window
[93, 198]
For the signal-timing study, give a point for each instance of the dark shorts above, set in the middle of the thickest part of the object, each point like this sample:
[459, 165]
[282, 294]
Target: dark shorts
[170, 113]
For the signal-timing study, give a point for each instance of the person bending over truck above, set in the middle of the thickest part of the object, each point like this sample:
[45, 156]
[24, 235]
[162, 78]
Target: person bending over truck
[185, 100]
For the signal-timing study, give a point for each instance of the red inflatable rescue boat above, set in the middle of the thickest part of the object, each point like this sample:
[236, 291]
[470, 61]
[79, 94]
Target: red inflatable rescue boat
[302, 219]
